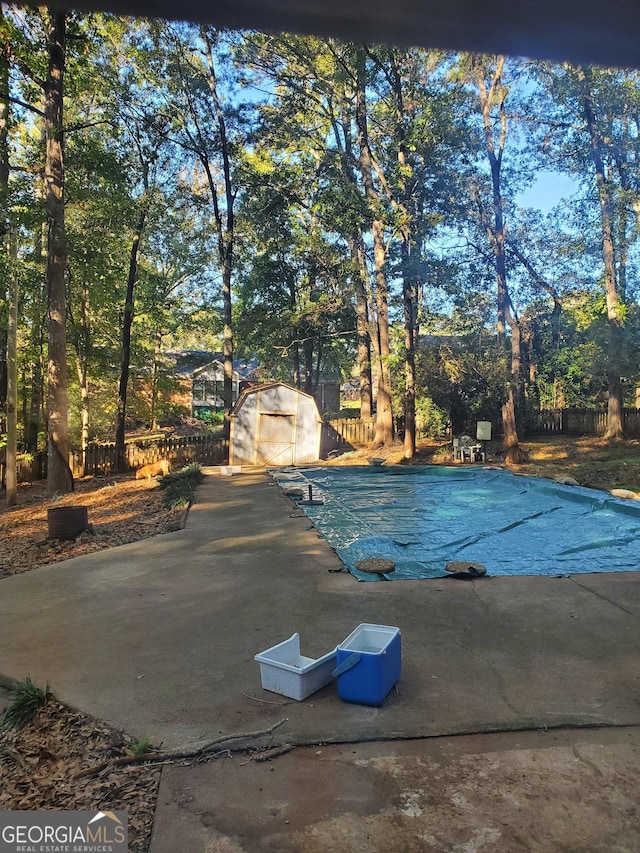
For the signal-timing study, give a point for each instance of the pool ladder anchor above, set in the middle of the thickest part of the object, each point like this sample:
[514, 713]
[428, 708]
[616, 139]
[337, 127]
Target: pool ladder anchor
[311, 501]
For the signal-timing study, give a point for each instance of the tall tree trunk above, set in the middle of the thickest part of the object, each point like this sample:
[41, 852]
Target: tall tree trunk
[614, 305]
[360, 272]
[227, 331]
[513, 453]
[82, 371]
[11, 481]
[384, 414]
[360, 277]
[297, 381]
[5, 334]
[407, 205]
[36, 418]
[495, 230]
[157, 349]
[33, 421]
[308, 366]
[316, 376]
[59, 477]
[409, 356]
[226, 234]
[82, 343]
[127, 322]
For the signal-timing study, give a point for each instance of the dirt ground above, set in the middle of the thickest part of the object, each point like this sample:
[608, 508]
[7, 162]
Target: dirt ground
[41, 765]
[591, 461]
[120, 510]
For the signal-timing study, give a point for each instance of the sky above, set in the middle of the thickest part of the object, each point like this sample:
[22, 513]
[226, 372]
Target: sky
[548, 189]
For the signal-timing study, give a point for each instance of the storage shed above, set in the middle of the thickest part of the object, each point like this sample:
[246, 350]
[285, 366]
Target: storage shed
[274, 424]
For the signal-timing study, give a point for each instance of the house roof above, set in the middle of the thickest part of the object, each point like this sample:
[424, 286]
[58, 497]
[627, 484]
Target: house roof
[189, 363]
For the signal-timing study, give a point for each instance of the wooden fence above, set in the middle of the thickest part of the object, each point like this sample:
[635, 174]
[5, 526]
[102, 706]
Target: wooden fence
[354, 431]
[30, 469]
[101, 458]
[580, 422]
[359, 432]
[206, 449]
[338, 434]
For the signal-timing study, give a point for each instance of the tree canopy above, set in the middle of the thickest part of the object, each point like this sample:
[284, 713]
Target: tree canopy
[335, 211]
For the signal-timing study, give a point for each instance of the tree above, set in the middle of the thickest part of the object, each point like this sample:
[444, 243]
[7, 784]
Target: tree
[147, 156]
[591, 131]
[8, 343]
[384, 413]
[294, 311]
[201, 125]
[414, 139]
[59, 477]
[310, 118]
[614, 302]
[487, 77]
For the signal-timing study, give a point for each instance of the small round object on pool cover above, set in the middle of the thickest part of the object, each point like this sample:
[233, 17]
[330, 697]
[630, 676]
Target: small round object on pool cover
[456, 566]
[376, 565]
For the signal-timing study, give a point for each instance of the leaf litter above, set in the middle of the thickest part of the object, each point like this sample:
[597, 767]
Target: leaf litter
[39, 763]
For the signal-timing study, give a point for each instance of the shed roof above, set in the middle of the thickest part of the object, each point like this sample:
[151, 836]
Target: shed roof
[253, 389]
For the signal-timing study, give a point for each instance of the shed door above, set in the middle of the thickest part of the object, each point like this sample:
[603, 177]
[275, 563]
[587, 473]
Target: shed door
[276, 439]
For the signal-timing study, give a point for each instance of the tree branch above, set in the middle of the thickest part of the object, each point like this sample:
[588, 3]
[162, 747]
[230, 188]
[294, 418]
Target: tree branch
[26, 106]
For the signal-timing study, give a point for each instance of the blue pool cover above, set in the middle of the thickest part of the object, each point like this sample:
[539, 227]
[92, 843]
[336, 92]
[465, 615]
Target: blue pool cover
[423, 517]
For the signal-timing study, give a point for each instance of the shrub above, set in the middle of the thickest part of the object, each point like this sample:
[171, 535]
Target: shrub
[431, 419]
[26, 702]
[179, 487]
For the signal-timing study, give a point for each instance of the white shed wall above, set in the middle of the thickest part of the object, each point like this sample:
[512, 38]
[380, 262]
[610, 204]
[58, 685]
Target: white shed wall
[275, 425]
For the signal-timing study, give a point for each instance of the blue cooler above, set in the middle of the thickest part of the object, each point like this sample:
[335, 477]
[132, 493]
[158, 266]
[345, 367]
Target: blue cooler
[368, 664]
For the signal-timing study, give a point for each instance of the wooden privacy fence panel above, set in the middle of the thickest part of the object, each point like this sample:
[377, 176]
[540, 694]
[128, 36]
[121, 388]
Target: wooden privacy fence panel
[581, 422]
[354, 431]
[101, 458]
[631, 423]
[360, 432]
[30, 469]
[204, 449]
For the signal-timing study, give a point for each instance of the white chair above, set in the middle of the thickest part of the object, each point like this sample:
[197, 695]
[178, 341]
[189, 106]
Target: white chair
[464, 448]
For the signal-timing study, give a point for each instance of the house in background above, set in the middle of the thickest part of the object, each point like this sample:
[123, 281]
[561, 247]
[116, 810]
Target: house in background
[199, 377]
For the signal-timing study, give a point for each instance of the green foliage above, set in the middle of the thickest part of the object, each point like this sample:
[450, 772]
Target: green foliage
[211, 418]
[349, 410]
[25, 704]
[141, 89]
[431, 420]
[179, 487]
[139, 746]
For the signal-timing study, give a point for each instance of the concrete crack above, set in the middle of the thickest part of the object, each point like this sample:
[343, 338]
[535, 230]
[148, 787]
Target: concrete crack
[497, 673]
[575, 579]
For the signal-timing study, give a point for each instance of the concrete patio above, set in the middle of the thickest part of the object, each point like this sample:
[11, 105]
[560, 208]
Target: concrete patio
[158, 639]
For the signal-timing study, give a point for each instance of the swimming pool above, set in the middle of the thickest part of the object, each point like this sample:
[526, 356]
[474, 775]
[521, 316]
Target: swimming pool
[423, 517]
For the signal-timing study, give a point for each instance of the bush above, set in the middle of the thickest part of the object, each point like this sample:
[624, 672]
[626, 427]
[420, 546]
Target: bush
[211, 417]
[431, 419]
[25, 704]
[180, 486]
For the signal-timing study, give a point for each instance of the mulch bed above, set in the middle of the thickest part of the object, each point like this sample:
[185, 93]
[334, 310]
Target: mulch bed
[38, 764]
[120, 510]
